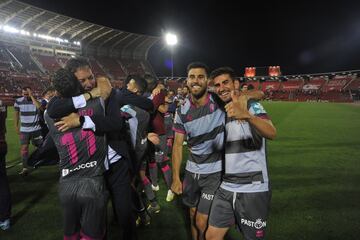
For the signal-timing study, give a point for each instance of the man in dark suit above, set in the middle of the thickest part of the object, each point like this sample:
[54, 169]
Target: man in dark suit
[120, 166]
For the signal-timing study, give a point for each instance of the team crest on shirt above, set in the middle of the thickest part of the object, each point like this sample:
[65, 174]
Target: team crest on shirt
[258, 108]
[65, 172]
[212, 107]
[259, 224]
[125, 108]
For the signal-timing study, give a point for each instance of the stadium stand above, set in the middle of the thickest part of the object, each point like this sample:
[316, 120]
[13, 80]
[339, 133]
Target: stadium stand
[256, 84]
[112, 67]
[354, 84]
[270, 86]
[23, 56]
[35, 42]
[97, 70]
[48, 62]
[291, 85]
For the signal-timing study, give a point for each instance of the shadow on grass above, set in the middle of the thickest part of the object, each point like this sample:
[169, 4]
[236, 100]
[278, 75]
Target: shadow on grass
[30, 190]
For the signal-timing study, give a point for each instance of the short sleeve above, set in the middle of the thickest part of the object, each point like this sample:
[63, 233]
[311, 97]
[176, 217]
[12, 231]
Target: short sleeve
[178, 123]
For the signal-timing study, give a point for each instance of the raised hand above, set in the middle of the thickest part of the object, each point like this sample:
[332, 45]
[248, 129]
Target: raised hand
[104, 85]
[95, 92]
[237, 108]
[156, 91]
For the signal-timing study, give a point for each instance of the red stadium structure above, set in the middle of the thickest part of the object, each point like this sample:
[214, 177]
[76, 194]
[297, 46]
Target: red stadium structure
[250, 72]
[35, 42]
[274, 71]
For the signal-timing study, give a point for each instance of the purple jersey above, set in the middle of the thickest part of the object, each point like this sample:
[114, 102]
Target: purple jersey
[82, 152]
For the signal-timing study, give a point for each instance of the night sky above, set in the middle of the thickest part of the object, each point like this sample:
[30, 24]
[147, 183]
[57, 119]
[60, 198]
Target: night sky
[301, 37]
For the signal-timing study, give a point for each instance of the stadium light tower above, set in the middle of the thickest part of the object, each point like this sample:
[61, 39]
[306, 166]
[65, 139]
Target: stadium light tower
[171, 40]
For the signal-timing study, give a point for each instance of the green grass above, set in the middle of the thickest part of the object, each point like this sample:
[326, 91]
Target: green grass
[313, 164]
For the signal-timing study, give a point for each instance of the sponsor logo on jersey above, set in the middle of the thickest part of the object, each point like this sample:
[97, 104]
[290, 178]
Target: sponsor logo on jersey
[206, 196]
[79, 167]
[143, 141]
[258, 224]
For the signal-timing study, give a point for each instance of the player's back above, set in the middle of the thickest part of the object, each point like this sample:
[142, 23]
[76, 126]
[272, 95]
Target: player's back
[138, 121]
[82, 152]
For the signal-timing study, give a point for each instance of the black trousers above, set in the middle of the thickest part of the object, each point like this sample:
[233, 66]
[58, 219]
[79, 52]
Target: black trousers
[5, 197]
[119, 185]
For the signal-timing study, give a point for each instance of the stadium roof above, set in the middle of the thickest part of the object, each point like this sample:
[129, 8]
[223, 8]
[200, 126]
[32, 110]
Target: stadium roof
[99, 38]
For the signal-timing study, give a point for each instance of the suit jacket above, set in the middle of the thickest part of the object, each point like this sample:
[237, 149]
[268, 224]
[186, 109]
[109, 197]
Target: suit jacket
[112, 124]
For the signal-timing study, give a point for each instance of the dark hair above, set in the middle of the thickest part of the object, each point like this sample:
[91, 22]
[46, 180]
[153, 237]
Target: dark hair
[151, 82]
[223, 70]
[139, 81]
[26, 88]
[66, 84]
[251, 87]
[73, 64]
[198, 65]
[48, 89]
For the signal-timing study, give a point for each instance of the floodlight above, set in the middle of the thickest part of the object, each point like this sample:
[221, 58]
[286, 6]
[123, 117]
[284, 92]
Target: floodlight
[171, 39]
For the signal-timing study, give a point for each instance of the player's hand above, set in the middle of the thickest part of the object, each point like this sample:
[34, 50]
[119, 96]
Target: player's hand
[237, 108]
[68, 122]
[95, 92]
[156, 91]
[154, 138]
[105, 87]
[176, 186]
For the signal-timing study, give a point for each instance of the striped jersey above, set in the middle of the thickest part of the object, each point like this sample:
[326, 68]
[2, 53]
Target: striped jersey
[204, 129]
[245, 155]
[29, 115]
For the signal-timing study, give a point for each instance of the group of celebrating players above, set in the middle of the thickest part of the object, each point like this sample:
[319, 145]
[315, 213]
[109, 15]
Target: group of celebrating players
[111, 142]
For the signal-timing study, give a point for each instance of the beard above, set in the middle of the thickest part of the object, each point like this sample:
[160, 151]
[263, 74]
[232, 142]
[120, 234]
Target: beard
[200, 94]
